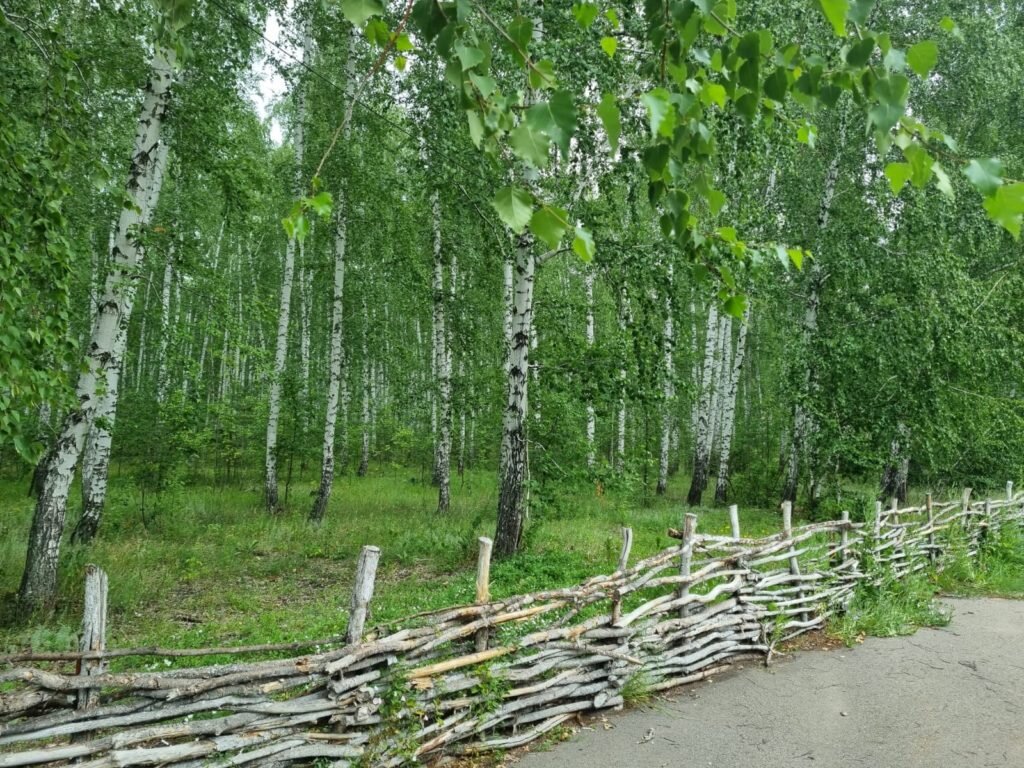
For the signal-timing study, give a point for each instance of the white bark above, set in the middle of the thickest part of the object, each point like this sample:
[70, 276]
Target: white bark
[588, 287]
[106, 347]
[288, 274]
[512, 507]
[729, 412]
[165, 326]
[442, 367]
[335, 367]
[668, 391]
[140, 363]
[804, 424]
[364, 456]
[722, 363]
[306, 293]
[620, 435]
[702, 444]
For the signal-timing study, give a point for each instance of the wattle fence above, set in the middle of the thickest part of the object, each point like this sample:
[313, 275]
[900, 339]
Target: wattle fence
[492, 675]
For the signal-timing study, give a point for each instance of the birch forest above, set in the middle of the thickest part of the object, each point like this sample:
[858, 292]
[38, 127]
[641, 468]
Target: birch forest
[281, 278]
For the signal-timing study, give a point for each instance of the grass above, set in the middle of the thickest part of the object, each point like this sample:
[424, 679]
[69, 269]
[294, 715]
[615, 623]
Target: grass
[901, 607]
[200, 566]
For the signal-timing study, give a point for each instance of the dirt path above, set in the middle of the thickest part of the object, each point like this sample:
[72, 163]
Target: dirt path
[943, 697]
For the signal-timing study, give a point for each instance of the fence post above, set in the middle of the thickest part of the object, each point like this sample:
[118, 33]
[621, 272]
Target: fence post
[94, 632]
[483, 585]
[932, 554]
[965, 500]
[991, 521]
[794, 562]
[686, 557]
[627, 545]
[1009, 490]
[734, 520]
[362, 593]
[844, 537]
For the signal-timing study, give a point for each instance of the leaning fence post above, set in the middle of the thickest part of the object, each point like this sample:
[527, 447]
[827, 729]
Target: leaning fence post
[362, 593]
[734, 520]
[483, 585]
[94, 632]
[932, 553]
[627, 545]
[685, 558]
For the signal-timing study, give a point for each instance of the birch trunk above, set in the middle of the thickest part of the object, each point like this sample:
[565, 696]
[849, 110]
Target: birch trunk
[140, 363]
[804, 424]
[695, 374]
[729, 412]
[165, 326]
[668, 392]
[335, 372]
[722, 361]
[512, 498]
[462, 417]
[620, 434]
[306, 293]
[588, 287]
[364, 456]
[894, 478]
[106, 347]
[702, 444]
[281, 348]
[442, 368]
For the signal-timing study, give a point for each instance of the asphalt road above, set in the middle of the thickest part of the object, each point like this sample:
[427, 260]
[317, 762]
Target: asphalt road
[949, 698]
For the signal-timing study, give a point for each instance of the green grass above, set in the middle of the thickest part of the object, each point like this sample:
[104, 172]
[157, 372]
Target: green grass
[896, 607]
[201, 566]
[998, 571]
[900, 607]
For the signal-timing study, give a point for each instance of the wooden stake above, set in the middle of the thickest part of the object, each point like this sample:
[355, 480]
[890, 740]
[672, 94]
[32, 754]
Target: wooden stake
[844, 537]
[932, 554]
[965, 500]
[794, 561]
[94, 632]
[991, 521]
[734, 520]
[362, 593]
[483, 585]
[1009, 490]
[627, 545]
[686, 557]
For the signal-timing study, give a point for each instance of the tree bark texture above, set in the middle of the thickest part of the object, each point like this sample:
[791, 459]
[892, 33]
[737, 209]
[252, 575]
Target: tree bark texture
[39, 582]
[512, 494]
[270, 494]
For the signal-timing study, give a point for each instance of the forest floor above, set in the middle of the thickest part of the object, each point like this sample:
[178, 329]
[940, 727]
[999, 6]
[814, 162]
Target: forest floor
[202, 566]
[952, 695]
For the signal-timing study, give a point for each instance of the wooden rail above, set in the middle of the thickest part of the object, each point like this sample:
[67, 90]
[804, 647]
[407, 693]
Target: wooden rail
[491, 675]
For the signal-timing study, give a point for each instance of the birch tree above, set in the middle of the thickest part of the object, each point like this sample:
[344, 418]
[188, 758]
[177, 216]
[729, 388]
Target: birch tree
[729, 412]
[270, 491]
[106, 347]
[337, 353]
[705, 408]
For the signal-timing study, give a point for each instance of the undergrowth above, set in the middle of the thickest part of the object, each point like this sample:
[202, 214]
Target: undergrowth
[894, 607]
[901, 606]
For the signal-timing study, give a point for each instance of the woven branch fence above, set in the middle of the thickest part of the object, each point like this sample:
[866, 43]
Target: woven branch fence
[493, 675]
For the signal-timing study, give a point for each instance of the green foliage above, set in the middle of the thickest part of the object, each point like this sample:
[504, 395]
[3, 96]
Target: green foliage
[896, 607]
[42, 138]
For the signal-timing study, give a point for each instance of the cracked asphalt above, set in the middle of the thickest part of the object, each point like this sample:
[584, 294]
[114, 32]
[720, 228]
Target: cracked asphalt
[942, 697]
